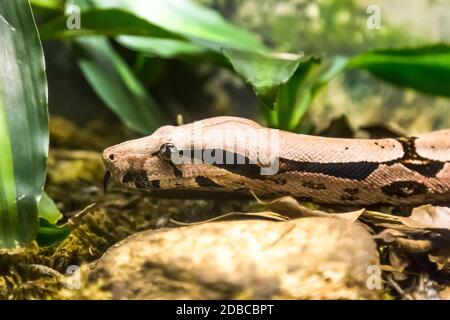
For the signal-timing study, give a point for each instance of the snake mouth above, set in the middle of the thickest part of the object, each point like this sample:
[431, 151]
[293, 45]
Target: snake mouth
[106, 181]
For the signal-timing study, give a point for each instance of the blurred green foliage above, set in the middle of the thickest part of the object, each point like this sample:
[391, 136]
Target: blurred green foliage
[286, 88]
[334, 27]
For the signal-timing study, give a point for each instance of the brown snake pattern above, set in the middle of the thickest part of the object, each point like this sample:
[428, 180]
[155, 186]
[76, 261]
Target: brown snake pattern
[236, 155]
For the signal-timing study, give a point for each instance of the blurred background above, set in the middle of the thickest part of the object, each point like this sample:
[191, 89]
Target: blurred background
[199, 89]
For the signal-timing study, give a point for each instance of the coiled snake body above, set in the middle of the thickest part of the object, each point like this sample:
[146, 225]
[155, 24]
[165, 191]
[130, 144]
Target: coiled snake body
[229, 154]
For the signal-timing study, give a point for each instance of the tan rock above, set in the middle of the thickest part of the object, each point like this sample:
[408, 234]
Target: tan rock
[308, 258]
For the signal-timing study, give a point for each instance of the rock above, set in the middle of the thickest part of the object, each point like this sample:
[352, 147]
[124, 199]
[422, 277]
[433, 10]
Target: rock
[308, 258]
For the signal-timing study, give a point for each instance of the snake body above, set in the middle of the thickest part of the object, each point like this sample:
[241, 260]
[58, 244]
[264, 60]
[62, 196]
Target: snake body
[236, 155]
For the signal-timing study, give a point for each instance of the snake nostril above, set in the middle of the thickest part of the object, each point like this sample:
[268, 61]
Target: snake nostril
[111, 156]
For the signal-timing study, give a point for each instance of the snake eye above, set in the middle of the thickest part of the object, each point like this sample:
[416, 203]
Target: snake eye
[166, 151]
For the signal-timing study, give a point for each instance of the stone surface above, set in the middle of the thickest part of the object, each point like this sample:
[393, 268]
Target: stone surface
[308, 258]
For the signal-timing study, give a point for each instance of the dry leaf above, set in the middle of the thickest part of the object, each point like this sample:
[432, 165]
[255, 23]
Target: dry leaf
[389, 235]
[431, 216]
[441, 258]
[445, 294]
[426, 230]
[290, 207]
[413, 246]
[350, 216]
[264, 215]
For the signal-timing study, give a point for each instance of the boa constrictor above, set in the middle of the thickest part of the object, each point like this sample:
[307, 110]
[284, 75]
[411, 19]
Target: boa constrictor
[236, 155]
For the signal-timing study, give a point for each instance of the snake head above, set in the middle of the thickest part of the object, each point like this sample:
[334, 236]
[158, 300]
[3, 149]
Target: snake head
[141, 162]
[185, 157]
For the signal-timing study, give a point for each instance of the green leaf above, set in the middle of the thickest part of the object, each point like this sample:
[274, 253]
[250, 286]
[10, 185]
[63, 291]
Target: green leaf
[189, 19]
[23, 123]
[48, 4]
[285, 84]
[166, 48]
[117, 86]
[142, 36]
[426, 69]
[48, 210]
[297, 95]
[110, 22]
[264, 72]
[49, 234]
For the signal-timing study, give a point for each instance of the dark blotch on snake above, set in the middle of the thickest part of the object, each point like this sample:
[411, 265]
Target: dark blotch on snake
[345, 170]
[246, 168]
[350, 194]
[206, 182]
[138, 177]
[176, 172]
[155, 184]
[409, 147]
[404, 189]
[425, 167]
[230, 161]
[351, 190]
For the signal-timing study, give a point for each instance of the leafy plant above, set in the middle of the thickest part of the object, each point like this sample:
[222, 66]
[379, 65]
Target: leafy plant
[117, 86]
[285, 83]
[23, 123]
[289, 85]
[426, 68]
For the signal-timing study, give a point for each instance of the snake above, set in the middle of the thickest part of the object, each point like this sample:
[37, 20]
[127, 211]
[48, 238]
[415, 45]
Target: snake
[237, 156]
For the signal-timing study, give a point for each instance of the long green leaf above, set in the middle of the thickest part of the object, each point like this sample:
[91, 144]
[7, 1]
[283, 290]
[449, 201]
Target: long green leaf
[131, 31]
[186, 18]
[23, 123]
[113, 81]
[110, 22]
[117, 86]
[165, 48]
[426, 69]
[184, 29]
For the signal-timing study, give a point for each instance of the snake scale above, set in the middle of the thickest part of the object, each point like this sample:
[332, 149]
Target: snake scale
[236, 155]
